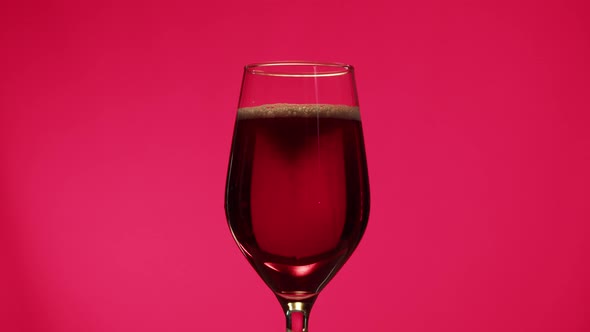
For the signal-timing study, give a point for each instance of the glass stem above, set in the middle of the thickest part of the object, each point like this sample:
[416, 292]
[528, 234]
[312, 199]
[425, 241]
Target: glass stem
[297, 314]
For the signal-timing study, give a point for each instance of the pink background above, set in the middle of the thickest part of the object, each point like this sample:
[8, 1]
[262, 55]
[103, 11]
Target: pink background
[115, 125]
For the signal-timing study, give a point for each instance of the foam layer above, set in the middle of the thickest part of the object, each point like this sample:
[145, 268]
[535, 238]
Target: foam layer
[299, 110]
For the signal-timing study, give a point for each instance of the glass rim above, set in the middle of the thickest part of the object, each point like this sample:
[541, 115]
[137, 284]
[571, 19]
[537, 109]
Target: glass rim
[289, 69]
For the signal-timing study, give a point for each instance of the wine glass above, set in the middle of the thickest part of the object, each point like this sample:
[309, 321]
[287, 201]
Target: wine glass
[297, 192]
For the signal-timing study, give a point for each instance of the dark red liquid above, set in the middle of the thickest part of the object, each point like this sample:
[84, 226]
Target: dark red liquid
[297, 198]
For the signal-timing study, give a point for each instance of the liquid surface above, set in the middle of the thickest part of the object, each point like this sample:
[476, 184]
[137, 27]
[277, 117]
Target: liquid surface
[299, 111]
